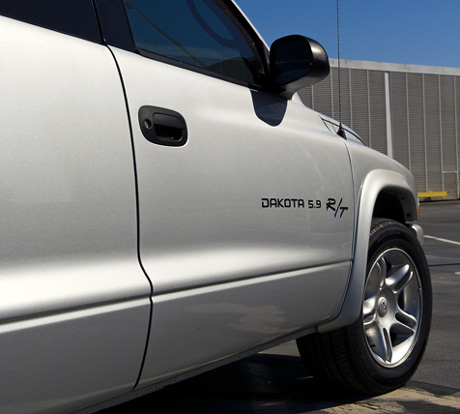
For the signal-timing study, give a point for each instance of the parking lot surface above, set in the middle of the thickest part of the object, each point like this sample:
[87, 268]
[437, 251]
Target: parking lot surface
[276, 382]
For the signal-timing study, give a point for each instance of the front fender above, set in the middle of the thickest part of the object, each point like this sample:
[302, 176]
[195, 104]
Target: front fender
[376, 182]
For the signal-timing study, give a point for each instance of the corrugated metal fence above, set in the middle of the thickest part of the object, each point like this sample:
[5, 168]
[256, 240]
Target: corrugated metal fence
[411, 113]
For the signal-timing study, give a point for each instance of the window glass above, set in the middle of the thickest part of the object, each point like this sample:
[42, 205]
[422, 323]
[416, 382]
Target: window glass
[200, 33]
[74, 17]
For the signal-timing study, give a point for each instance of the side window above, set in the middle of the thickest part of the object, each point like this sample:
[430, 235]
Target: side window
[74, 17]
[200, 34]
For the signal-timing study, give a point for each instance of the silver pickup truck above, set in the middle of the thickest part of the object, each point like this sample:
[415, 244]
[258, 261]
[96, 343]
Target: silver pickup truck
[168, 204]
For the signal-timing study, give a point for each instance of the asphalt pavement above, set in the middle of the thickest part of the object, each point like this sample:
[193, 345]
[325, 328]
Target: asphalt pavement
[276, 381]
[441, 225]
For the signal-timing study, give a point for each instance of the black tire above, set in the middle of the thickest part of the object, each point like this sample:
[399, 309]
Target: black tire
[382, 349]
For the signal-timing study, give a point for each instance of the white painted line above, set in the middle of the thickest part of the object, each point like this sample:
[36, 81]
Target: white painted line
[442, 240]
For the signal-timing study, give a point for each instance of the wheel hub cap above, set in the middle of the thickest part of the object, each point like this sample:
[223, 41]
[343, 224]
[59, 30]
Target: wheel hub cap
[382, 308]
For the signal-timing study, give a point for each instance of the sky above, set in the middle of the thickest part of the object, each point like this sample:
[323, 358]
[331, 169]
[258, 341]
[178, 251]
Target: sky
[416, 32]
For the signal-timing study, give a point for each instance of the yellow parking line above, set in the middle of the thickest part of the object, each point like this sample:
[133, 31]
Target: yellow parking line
[432, 194]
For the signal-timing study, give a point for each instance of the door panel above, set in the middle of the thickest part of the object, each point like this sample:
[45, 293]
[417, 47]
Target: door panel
[74, 302]
[245, 199]
[241, 199]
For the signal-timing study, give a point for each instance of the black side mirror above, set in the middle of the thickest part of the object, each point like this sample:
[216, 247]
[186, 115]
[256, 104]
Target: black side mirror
[296, 62]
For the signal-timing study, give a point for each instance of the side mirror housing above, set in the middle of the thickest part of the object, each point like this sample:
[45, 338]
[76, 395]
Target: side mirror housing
[296, 62]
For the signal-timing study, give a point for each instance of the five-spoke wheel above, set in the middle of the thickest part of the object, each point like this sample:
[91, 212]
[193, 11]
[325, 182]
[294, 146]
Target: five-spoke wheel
[381, 350]
[392, 307]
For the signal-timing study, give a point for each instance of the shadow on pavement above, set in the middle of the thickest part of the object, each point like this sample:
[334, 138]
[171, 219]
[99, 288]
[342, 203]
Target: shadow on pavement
[259, 384]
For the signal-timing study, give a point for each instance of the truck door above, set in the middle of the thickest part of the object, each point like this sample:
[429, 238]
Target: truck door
[245, 198]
